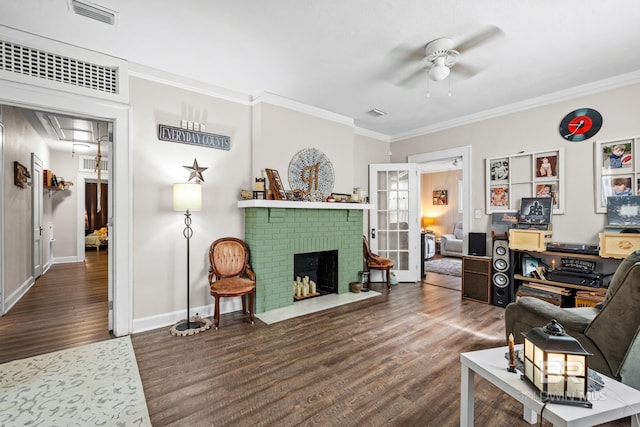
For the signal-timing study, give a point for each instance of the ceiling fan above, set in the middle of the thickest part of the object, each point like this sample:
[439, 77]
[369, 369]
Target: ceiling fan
[441, 56]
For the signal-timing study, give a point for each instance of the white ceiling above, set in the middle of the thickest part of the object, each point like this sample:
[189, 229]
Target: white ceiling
[348, 57]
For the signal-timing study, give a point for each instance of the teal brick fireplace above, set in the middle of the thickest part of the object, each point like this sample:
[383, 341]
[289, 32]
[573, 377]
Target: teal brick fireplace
[276, 230]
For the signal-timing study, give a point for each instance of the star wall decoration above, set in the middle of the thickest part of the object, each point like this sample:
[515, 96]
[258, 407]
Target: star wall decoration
[196, 171]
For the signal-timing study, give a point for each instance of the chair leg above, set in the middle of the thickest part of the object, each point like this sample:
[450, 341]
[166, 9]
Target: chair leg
[244, 304]
[388, 279]
[252, 296]
[216, 312]
[368, 280]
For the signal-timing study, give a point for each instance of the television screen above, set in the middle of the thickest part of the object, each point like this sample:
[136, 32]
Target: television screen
[535, 210]
[623, 211]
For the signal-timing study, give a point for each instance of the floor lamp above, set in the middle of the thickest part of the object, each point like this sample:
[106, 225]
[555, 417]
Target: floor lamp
[188, 197]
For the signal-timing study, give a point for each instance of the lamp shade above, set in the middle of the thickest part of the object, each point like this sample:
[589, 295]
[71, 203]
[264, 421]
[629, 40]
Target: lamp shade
[187, 196]
[428, 221]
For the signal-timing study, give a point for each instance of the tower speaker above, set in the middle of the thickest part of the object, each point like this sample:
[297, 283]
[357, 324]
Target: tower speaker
[501, 286]
[478, 244]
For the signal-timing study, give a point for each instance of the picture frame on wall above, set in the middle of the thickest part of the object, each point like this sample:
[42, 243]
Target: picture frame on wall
[499, 169]
[440, 197]
[616, 170]
[547, 166]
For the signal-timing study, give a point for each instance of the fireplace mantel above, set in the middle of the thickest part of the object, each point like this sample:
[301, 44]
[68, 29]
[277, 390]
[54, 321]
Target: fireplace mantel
[288, 204]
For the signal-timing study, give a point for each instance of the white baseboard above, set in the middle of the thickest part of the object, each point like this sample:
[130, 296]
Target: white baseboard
[18, 293]
[64, 259]
[227, 305]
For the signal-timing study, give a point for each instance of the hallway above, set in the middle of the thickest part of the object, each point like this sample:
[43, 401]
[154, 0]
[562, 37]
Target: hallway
[66, 307]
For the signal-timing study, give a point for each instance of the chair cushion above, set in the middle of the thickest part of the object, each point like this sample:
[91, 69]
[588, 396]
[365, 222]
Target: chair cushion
[233, 286]
[457, 231]
[454, 246]
[379, 262]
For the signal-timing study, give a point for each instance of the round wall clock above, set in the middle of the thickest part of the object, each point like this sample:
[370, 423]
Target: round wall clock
[580, 124]
[311, 171]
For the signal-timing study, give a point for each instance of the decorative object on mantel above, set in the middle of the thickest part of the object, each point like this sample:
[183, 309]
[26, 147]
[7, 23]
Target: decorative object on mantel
[311, 171]
[276, 184]
[194, 137]
[20, 175]
[187, 196]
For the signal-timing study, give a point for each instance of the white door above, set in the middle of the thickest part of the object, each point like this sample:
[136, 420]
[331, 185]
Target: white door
[36, 199]
[394, 230]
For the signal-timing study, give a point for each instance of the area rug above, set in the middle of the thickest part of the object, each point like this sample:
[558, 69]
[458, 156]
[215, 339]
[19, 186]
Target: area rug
[312, 305]
[93, 385]
[448, 266]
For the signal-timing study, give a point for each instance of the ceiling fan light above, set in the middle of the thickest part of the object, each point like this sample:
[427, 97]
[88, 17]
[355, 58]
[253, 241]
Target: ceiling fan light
[439, 72]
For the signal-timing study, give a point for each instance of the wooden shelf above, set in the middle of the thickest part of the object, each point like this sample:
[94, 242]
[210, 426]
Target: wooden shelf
[552, 283]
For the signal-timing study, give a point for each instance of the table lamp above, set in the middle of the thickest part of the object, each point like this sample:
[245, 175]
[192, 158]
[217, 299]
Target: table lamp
[427, 223]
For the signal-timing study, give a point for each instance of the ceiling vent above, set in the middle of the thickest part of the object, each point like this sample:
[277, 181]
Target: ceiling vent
[376, 112]
[93, 11]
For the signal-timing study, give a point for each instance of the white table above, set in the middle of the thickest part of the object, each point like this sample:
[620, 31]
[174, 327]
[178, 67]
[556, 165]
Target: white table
[615, 400]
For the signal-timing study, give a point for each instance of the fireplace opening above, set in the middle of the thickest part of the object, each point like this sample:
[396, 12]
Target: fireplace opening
[321, 267]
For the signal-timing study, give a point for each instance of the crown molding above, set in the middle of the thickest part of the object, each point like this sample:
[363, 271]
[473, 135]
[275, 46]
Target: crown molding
[180, 82]
[560, 96]
[371, 134]
[280, 101]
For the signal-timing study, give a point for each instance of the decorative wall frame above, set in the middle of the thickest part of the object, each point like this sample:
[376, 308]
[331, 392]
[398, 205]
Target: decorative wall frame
[440, 197]
[616, 170]
[21, 175]
[533, 174]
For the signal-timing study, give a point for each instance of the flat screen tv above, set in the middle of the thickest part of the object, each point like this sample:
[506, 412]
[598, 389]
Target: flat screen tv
[535, 210]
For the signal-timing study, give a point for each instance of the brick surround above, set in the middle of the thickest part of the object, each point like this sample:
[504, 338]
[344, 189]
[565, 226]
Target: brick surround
[275, 234]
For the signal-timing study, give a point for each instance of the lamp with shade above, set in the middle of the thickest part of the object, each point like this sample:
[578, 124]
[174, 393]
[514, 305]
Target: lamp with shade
[427, 223]
[187, 197]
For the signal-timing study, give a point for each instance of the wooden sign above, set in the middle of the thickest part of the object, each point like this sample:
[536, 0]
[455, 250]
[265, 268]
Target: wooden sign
[192, 137]
[276, 184]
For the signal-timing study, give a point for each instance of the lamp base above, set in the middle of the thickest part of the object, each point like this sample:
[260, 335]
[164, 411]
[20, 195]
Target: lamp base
[193, 326]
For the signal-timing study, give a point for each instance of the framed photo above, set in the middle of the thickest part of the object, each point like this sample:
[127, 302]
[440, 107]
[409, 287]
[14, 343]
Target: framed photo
[499, 169]
[500, 196]
[548, 189]
[623, 212]
[616, 170]
[547, 166]
[616, 156]
[440, 197]
[536, 210]
[276, 184]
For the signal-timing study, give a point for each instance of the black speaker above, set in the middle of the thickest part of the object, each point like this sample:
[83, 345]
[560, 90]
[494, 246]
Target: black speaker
[476, 278]
[478, 244]
[501, 286]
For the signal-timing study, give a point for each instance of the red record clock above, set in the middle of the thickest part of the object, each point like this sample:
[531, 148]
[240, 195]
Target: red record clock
[580, 124]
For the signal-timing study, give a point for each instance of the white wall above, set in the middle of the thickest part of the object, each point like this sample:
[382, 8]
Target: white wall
[65, 207]
[533, 130]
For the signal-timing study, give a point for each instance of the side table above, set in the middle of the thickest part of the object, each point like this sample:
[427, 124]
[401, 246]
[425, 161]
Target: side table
[615, 400]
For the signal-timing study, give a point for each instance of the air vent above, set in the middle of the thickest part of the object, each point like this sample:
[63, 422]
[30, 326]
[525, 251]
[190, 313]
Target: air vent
[88, 164]
[49, 66]
[93, 12]
[376, 112]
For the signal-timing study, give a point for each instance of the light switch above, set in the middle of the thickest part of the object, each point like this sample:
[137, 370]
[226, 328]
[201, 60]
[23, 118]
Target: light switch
[477, 214]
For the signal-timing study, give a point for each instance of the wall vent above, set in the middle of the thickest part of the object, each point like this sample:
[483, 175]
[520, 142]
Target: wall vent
[32, 62]
[88, 164]
[93, 12]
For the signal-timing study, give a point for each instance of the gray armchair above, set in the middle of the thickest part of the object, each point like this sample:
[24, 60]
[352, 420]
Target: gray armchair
[611, 330]
[451, 244]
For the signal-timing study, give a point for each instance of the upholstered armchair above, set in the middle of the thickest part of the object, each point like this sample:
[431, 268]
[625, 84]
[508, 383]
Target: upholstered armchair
[451, 244]
[610, 330]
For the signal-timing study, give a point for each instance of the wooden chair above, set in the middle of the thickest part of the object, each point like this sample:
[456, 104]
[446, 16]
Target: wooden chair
[230, 274]
[376, 262]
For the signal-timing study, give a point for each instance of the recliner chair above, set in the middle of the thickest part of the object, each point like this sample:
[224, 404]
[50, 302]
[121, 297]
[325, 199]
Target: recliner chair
[451, 244]
[611, 330]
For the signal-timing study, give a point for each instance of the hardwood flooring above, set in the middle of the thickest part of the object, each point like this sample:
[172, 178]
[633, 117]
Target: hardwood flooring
[392, 360]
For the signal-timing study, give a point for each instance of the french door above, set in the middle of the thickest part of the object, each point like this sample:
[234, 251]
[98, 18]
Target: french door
[393, 224]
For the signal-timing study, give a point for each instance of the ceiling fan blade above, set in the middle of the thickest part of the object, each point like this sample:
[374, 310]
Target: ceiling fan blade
[464, 70]
[396, 61]
[413, 79]
[481, 37]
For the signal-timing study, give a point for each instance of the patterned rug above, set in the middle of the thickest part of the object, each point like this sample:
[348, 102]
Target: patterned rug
[449, 266]
[93, 385]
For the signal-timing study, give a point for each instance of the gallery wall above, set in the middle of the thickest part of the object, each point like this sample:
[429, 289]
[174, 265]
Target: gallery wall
[536, 129]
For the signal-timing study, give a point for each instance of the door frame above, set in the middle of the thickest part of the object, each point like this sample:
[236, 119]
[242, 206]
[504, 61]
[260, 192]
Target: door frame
[57, 101]
[36, 216]
[463, 152]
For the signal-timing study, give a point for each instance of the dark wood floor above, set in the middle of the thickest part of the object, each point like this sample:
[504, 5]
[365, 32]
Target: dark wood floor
[392, 360]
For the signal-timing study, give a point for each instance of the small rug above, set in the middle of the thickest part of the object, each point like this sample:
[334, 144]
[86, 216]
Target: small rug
[93, 385]
[311, 305]
[449, 266]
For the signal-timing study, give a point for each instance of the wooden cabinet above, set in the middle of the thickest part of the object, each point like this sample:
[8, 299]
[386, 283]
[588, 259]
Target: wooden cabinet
[476, 278]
